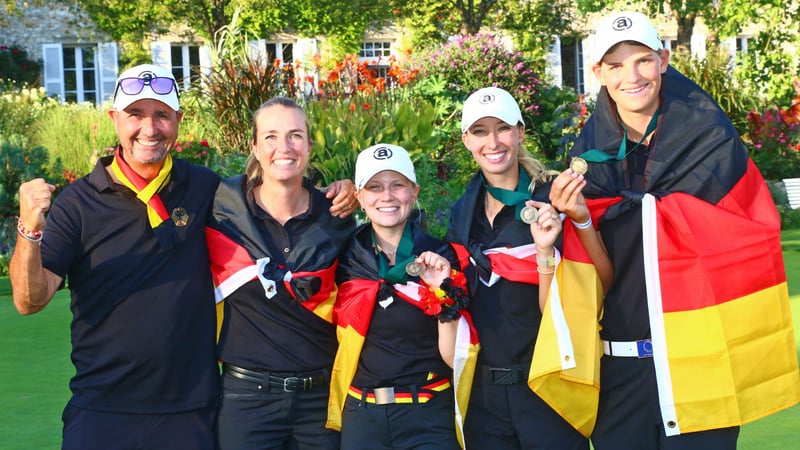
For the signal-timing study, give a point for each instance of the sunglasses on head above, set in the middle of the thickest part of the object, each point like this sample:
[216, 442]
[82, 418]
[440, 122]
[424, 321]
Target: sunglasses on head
[133, 86]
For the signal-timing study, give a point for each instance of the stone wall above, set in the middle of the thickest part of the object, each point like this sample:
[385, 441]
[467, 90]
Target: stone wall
[47, 24]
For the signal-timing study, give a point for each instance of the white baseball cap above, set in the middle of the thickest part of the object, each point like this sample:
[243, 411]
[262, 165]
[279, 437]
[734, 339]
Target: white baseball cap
[624, 26]
[382, 157]
[490, 102]
[146, 81]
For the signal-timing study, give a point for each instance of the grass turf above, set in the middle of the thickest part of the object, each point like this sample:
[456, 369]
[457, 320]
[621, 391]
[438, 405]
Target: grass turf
[35, 371]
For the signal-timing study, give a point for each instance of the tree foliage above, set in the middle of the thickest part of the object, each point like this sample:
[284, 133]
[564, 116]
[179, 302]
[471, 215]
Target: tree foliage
[343, 22]
[535, 24]
[725, 17]
[438, 19]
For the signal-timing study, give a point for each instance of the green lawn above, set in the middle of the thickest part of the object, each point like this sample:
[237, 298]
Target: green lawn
[35, 370]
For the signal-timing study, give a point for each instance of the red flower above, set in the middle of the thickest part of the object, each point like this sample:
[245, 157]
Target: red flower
[366, 106]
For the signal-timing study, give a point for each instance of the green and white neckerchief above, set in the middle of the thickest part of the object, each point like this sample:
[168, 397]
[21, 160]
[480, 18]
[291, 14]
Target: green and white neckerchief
[599, 156]
[396, 274]
[515, 198]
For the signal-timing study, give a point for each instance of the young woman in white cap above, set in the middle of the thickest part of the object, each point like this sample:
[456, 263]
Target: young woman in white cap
[399, 299]
[274, 245]
[694, 237]
[514, 262]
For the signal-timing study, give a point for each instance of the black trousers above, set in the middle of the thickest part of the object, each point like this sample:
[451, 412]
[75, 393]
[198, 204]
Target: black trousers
[629, 416]
[512, 417]
[418, 426]
[97, 430]
[252, 416]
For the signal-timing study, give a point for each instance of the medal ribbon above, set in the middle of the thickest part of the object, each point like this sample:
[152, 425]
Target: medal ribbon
[403, 256]
[145, 191]
[599, 156]
[512, 198]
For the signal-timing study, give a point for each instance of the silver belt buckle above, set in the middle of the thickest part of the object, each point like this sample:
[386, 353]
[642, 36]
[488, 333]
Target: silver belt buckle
[384, 395]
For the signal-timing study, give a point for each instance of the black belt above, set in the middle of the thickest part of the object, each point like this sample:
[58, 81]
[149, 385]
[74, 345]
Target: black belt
[288, 384]
[516, 374]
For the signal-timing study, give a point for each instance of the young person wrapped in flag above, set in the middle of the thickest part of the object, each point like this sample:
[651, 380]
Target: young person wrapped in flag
[696, 326]
[400, 305]
[512, 281]
[274, 247]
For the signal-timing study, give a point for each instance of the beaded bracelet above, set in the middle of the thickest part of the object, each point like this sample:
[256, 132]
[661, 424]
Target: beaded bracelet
[33, 236]
[584, 225]
[539, 269]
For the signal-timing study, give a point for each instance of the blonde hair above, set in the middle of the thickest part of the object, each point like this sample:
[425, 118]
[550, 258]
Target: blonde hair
[534, 168]
[253, 172]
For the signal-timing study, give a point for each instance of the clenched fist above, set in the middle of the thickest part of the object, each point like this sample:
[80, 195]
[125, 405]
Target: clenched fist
[34, 200]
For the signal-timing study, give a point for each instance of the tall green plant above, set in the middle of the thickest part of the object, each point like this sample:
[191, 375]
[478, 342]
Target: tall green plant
[343, 126]
[21, 106]
[238, 84]
[75, 134]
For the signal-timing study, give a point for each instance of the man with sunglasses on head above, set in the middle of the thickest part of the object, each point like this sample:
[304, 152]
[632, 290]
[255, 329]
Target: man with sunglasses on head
[130, 239]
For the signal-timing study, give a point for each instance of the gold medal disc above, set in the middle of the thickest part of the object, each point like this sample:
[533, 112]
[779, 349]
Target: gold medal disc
[579, 166]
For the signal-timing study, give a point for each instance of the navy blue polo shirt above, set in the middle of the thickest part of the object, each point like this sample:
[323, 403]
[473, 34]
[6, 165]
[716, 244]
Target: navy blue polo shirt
[279, 334]
[506, 315]
[143, 328]
[402, 343]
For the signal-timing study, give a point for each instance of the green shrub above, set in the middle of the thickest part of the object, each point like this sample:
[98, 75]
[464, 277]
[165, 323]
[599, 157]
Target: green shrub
[21, 106]
[563, 116]
[466, 64]
[774, 146]
[790, 218]
[773, 139]
[343, 126]
[17, 67]
[20, 162]
[76, 134]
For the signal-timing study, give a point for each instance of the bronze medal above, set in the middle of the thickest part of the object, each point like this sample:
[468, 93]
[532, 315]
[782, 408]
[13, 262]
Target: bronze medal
[579, 166]
[415, 269]
[529, 214]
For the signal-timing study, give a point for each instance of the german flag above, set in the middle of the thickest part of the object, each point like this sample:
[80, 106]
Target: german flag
[723, 343]
[565, 371]
[240, 253]
[714, 280]
[353, 313]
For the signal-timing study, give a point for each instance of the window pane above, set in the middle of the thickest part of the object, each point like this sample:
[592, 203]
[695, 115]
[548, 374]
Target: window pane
[272, 52]
[70, 80]
[69, 58]
[194, 56]
[288, 55]
[88, 56]
[88, 80]
[176, 51]
[90, 97]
